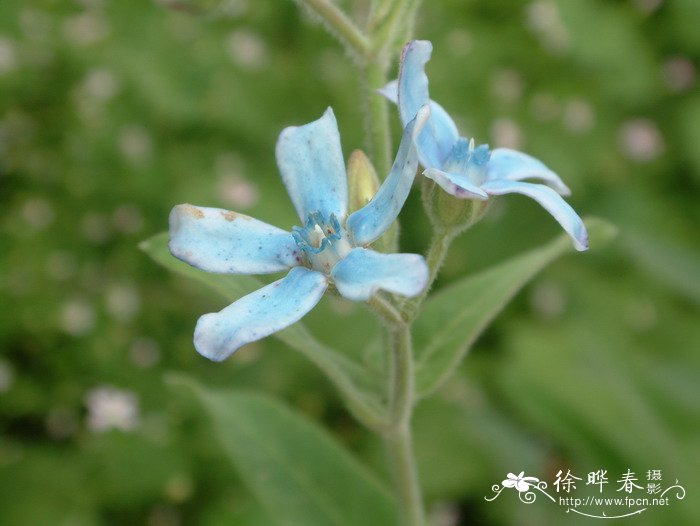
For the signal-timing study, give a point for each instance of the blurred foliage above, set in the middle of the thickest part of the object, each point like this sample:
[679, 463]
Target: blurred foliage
[112, 112]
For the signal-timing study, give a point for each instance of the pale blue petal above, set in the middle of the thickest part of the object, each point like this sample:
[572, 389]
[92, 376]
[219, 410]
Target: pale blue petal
[363, 272]
[550, 201]
[310, 160]
[514, 166]
[225, 242]
[259, 314]
[458, 185]
[442, 122]
[440, 133]
[390, 91]
[443, 129]
[373, 219]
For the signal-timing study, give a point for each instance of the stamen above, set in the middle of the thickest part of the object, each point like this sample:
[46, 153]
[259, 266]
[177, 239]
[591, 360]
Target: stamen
[324, 241]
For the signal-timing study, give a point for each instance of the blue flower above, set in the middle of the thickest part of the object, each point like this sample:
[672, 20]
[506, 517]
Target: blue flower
[468, 171]
[328, 248]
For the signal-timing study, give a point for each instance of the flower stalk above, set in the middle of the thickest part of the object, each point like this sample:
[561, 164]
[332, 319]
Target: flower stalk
[377, 113]
[405, 473]
[338, 23]
[398, 438]
[439, 247]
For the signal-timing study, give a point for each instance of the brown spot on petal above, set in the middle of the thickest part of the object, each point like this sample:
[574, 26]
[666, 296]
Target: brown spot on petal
[232, 216]
[229, 216]
[193, 211]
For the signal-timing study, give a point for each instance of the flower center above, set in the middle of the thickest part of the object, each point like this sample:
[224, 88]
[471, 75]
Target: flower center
[468, 159]
[323, 241]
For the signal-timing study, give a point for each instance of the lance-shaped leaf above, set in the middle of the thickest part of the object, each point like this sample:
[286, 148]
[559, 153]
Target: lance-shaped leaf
[298, 472]
[455, 316]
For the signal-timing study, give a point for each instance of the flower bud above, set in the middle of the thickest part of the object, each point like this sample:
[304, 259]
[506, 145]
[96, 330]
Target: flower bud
[450, 213]
[363, 182]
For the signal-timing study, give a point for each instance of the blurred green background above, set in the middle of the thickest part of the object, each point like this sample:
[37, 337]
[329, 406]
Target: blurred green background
[111, 112]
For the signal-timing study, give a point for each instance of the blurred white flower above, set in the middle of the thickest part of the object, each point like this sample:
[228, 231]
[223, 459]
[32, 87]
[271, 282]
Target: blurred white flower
[109, 408]
[247, 49]
[77, 317]
[648, 6]
[38, 212]
[641, 140]
[679, 74]
[506, 134]
[579, 116]
[86, 28]
[8, 56]
[7, 376]
[123, 302]
[460, 42]
[145, 353]
[508, 85]
[135, 144]
[100, 84]
[544, 21]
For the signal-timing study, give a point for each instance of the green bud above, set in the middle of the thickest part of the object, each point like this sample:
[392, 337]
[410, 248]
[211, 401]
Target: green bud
[363, 182]
[447, 212]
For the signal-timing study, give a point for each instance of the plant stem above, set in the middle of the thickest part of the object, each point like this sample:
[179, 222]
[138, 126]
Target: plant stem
[378, 11]
[386, 310]
[397, 432]
[340, 24]
[410, 501]
[398, 437]
[395, 16]
[377, 114]
[401, 378]
[439, 246]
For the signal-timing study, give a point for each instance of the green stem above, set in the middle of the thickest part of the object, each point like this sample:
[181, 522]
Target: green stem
[401, 378]
[377, 114]
[439, 246]
[386, 310]
[398, 438]
[378, 12]
[340, 24]
[411, 12]
[400, 447]
[385, 36]
[397, 433]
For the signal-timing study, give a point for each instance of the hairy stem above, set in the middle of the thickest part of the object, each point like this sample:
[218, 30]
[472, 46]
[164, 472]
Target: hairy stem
[339, 23]
[439, 246]
[386, 311]
[401, 378]
[398, 438]
[395, 19]
[377, 114]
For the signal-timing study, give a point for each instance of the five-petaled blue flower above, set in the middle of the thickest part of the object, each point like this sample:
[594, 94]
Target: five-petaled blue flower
[470, 172]
[328, 248]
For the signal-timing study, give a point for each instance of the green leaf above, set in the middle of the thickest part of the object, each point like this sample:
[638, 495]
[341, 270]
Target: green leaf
[300, 474]
[358, 387]
[667, 260]
[455, 316]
